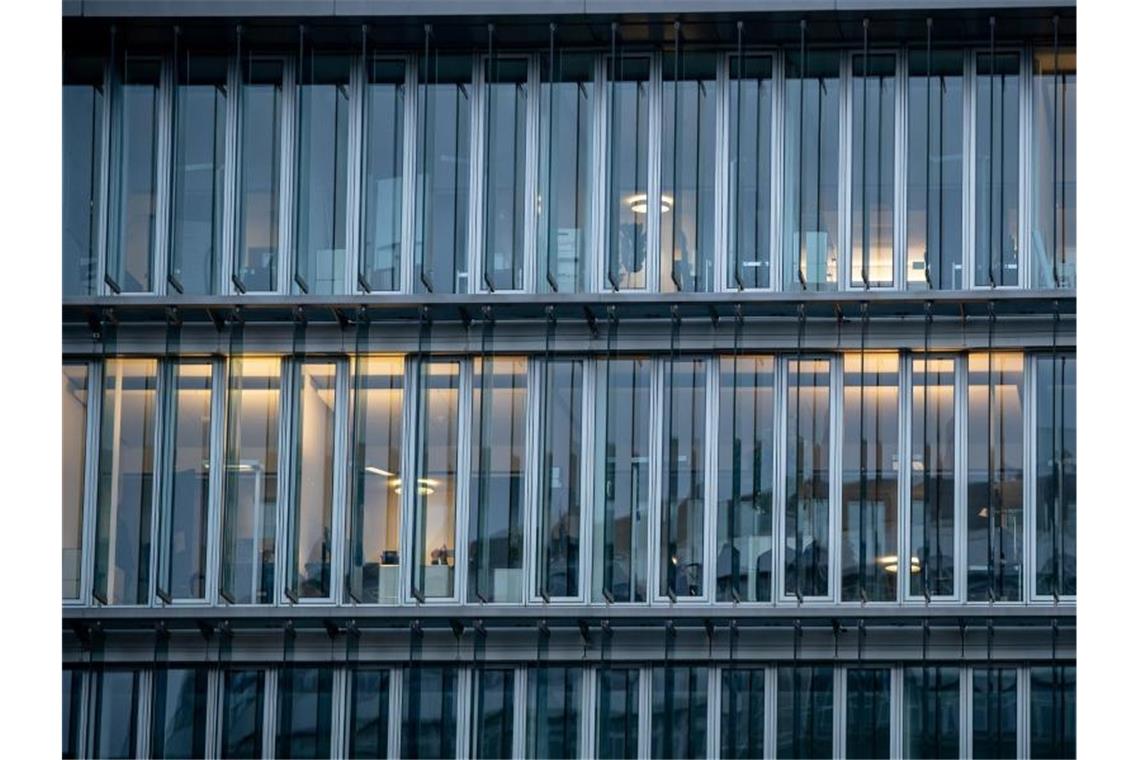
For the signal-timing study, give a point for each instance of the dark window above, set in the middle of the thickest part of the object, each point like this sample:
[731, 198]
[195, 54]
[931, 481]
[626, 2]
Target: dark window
[1057, 474]
[304, 712]
[930, 717]
[429, 713]
[1053, 712]
[868, 712]
[680, 712]
[804, 712]
[82, 167]
[493, 715]
[243, 705]
[616, 719]
[554, 711]
[368, 719]
[995, 712]
[178, 718]
[742, 713]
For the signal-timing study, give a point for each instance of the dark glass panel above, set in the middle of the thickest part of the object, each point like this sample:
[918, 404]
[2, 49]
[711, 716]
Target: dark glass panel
[113, 733]
[259, 174]
[932, 477]
[873, 171]
[995, 712]
[804, 712]
[807, 473]
[930, 712]
[750, 130]
[680, 712]
[75, 395]
[684, 446]
[997, 129]
[868, 712]
[1053, 234]
[628, 161]
[1057, 474]
[494, 714]
[304, 712]
[505, 173]
[243, 704]
[616, 720]
[82, 167]
[560, 474]
[70, 704]
[381, 242]
[178, 718]
[1053, 712]
[368, 716]
[742, 713]
[554, 711]
[429, 713]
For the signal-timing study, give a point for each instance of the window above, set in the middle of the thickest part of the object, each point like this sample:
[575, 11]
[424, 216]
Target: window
[930, 711]
[995, 712]
[807, 478]
[560, 479]
[498, 454]
[932, 435]
[304, 712]
[374, 565]
[437, 464]
[811, 171]
[868, 712]
[682, 565]
[616, 720]
[314, 429]
[873, 171]
[504, 173]
[565, 169]
[994, 513]
[368, 721]
[680, 712]
[70, 704]
[493, 713]
[553, 712]
[243, 713]
[997, 128]
[113, 720]
[804, 712]
[1057, 474]
[249, 521]
[1053, 711]
[259, 174]
[935, 144]
[322, 173]
[871, 566]
[628, 166]
[178, 719]
[134, 178]
[74, 466]
[382, 249]
[82, 168]
[199, 173]
[126, 482]
[1053, 203]
[750, 129]
[623, 505]
[429, 713]
[742, 713]
[184, 520]
[444, 157]
[688, 167]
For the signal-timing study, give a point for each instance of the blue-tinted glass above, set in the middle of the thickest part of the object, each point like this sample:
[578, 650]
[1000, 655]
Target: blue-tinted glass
[494, 713]
[995, 712]
[997, 128]
[628, 157]
[72, 693]
[1053, 234]
[178, 718]
[75, 399]
[873, 171]
[304, 712]
[429, 713]
[1057, 474]
[742, 713]
[381, 246]
[243, 704]
[560, 473]
[807, 473]
[868, 712]
[553, 713]
[368, 720]
[680, 712]
[504, 172]
[616, 720]
[82, 157]
[1053, 712]
[684, 445]
[259, 174]
[116, 710]
[804, 712]
[930, 712]
[750, 172]
[932, 477]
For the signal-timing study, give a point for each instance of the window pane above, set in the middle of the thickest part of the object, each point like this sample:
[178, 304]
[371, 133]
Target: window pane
[628, 161]
[72, 694]
[116, 708]
[1057, 474]
[505, 173]
[932, 477]
[683, 458]
[437, 463]
[804, 712]
[1053, 712]
[315, 432]
[1054, 161]
[565, 127]
[126, 480]
[934, 170]
[995, 712]
[560, 473]
[996, 189]
[871, 565]
[811, 172]
[994, 512]
[429, 713]
[82, 159]
[74, 462]
[382, 249]
[616, 720]
[178, 720]
[374, 571]
[869, 712]
[443, 184]
[621, 530]
[322, 173]
[873, 171]
[493, 715]
[744, 483]
[553, 712]
[368, 723]
[680, 712]
[243, 701]
[750, 171]
[688, 167]
[183, 570]
[199, 173]
[742, 713]
[498, 454]
[134, 149]
[808, 442]
[249, 522]
[259, 175]
[304, 712]
[930, 712]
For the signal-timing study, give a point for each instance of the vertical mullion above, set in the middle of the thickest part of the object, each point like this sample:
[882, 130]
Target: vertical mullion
[654, 91]
[776, 178]
[354, 216]
[269, 715]
[722, 197]
[844, 246]
[409, 183]
[839, 710]
[969, 168]
[90, 480]
[518, 734]
[657, 411]
[965, 711]
[219, 388]
[213, 712]
[645, 711]
[901, 134]
[99, 287]
[395, 709]
[285, 462]
[711, 463]
[771, 697]
[163, 176]
[532, 455]
[531, 160]
[779, 484]
[144, 683]
[586, 482]
[342, 473]
[408, 463]
[230, 199]
[290, 123]
[166, 405]
[1024, 170]
[463, 496]
[961, 473]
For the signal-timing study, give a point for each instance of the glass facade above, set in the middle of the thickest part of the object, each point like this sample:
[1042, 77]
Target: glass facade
[553, 711]
[804, 712]
[679, 717]
[1053, 231]
[997, 127]
[257, 259]
[616, 719]
[561, 490]
[932, 492]
[807, 478]
[315, 457]
[243, 713]
[750, 137]
[368, 712]
[1056, 475]
[381, 246]
[437, 469]
[995, 712]
[873, 171]
[931, 709]
[504, 163]
[627, 197]
[304, 712]
[114, 719]
[74, 461]
[83, 109]
[684, 444]
[493, 713]
[1053, 711]
[868, 712]
[178, 715]
[742, 713]
[429, 719]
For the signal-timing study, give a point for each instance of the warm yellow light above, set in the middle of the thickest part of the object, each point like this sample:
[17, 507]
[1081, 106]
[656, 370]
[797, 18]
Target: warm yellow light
[379, 471]
[639, 203]
[890, 563]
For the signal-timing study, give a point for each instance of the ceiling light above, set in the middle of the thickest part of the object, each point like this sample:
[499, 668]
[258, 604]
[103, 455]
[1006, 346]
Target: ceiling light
[639, 203]
[379, 471]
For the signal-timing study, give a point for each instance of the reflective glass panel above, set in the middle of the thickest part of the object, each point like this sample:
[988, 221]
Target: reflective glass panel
[616, 720]
[249, 520]
[368, 713]
[628, 161]
[1053, 199]
[315, 431]
[437, 463]
[930, 712]
[126, 481]
[1057, 474]
[995, 712]
[178, 718]
[553, 711]
[74, 458]
[493, 713]
[870, 524]
[243, 709]
[259, 174]
[374, 565]
[113, 724]
[1053, 712]
[742, 713]
[804, 712]
[873, 171]
[381, 247]
[807, 478]
[996, 128]
[750, 131]
[935, 144]
[72, 694]
[498, 462]
[504, 173]
[811, 172]
[994, 511]
[199, 173]
[560, 479]
[680, 712]
[622, 530]
[683, 479]
[429, 713]
[82, 164]
[932, 434]
[304, 712]
[868, 712]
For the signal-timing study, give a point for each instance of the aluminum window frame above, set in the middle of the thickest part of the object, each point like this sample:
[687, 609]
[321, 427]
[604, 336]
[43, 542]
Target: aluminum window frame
[90, 479]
